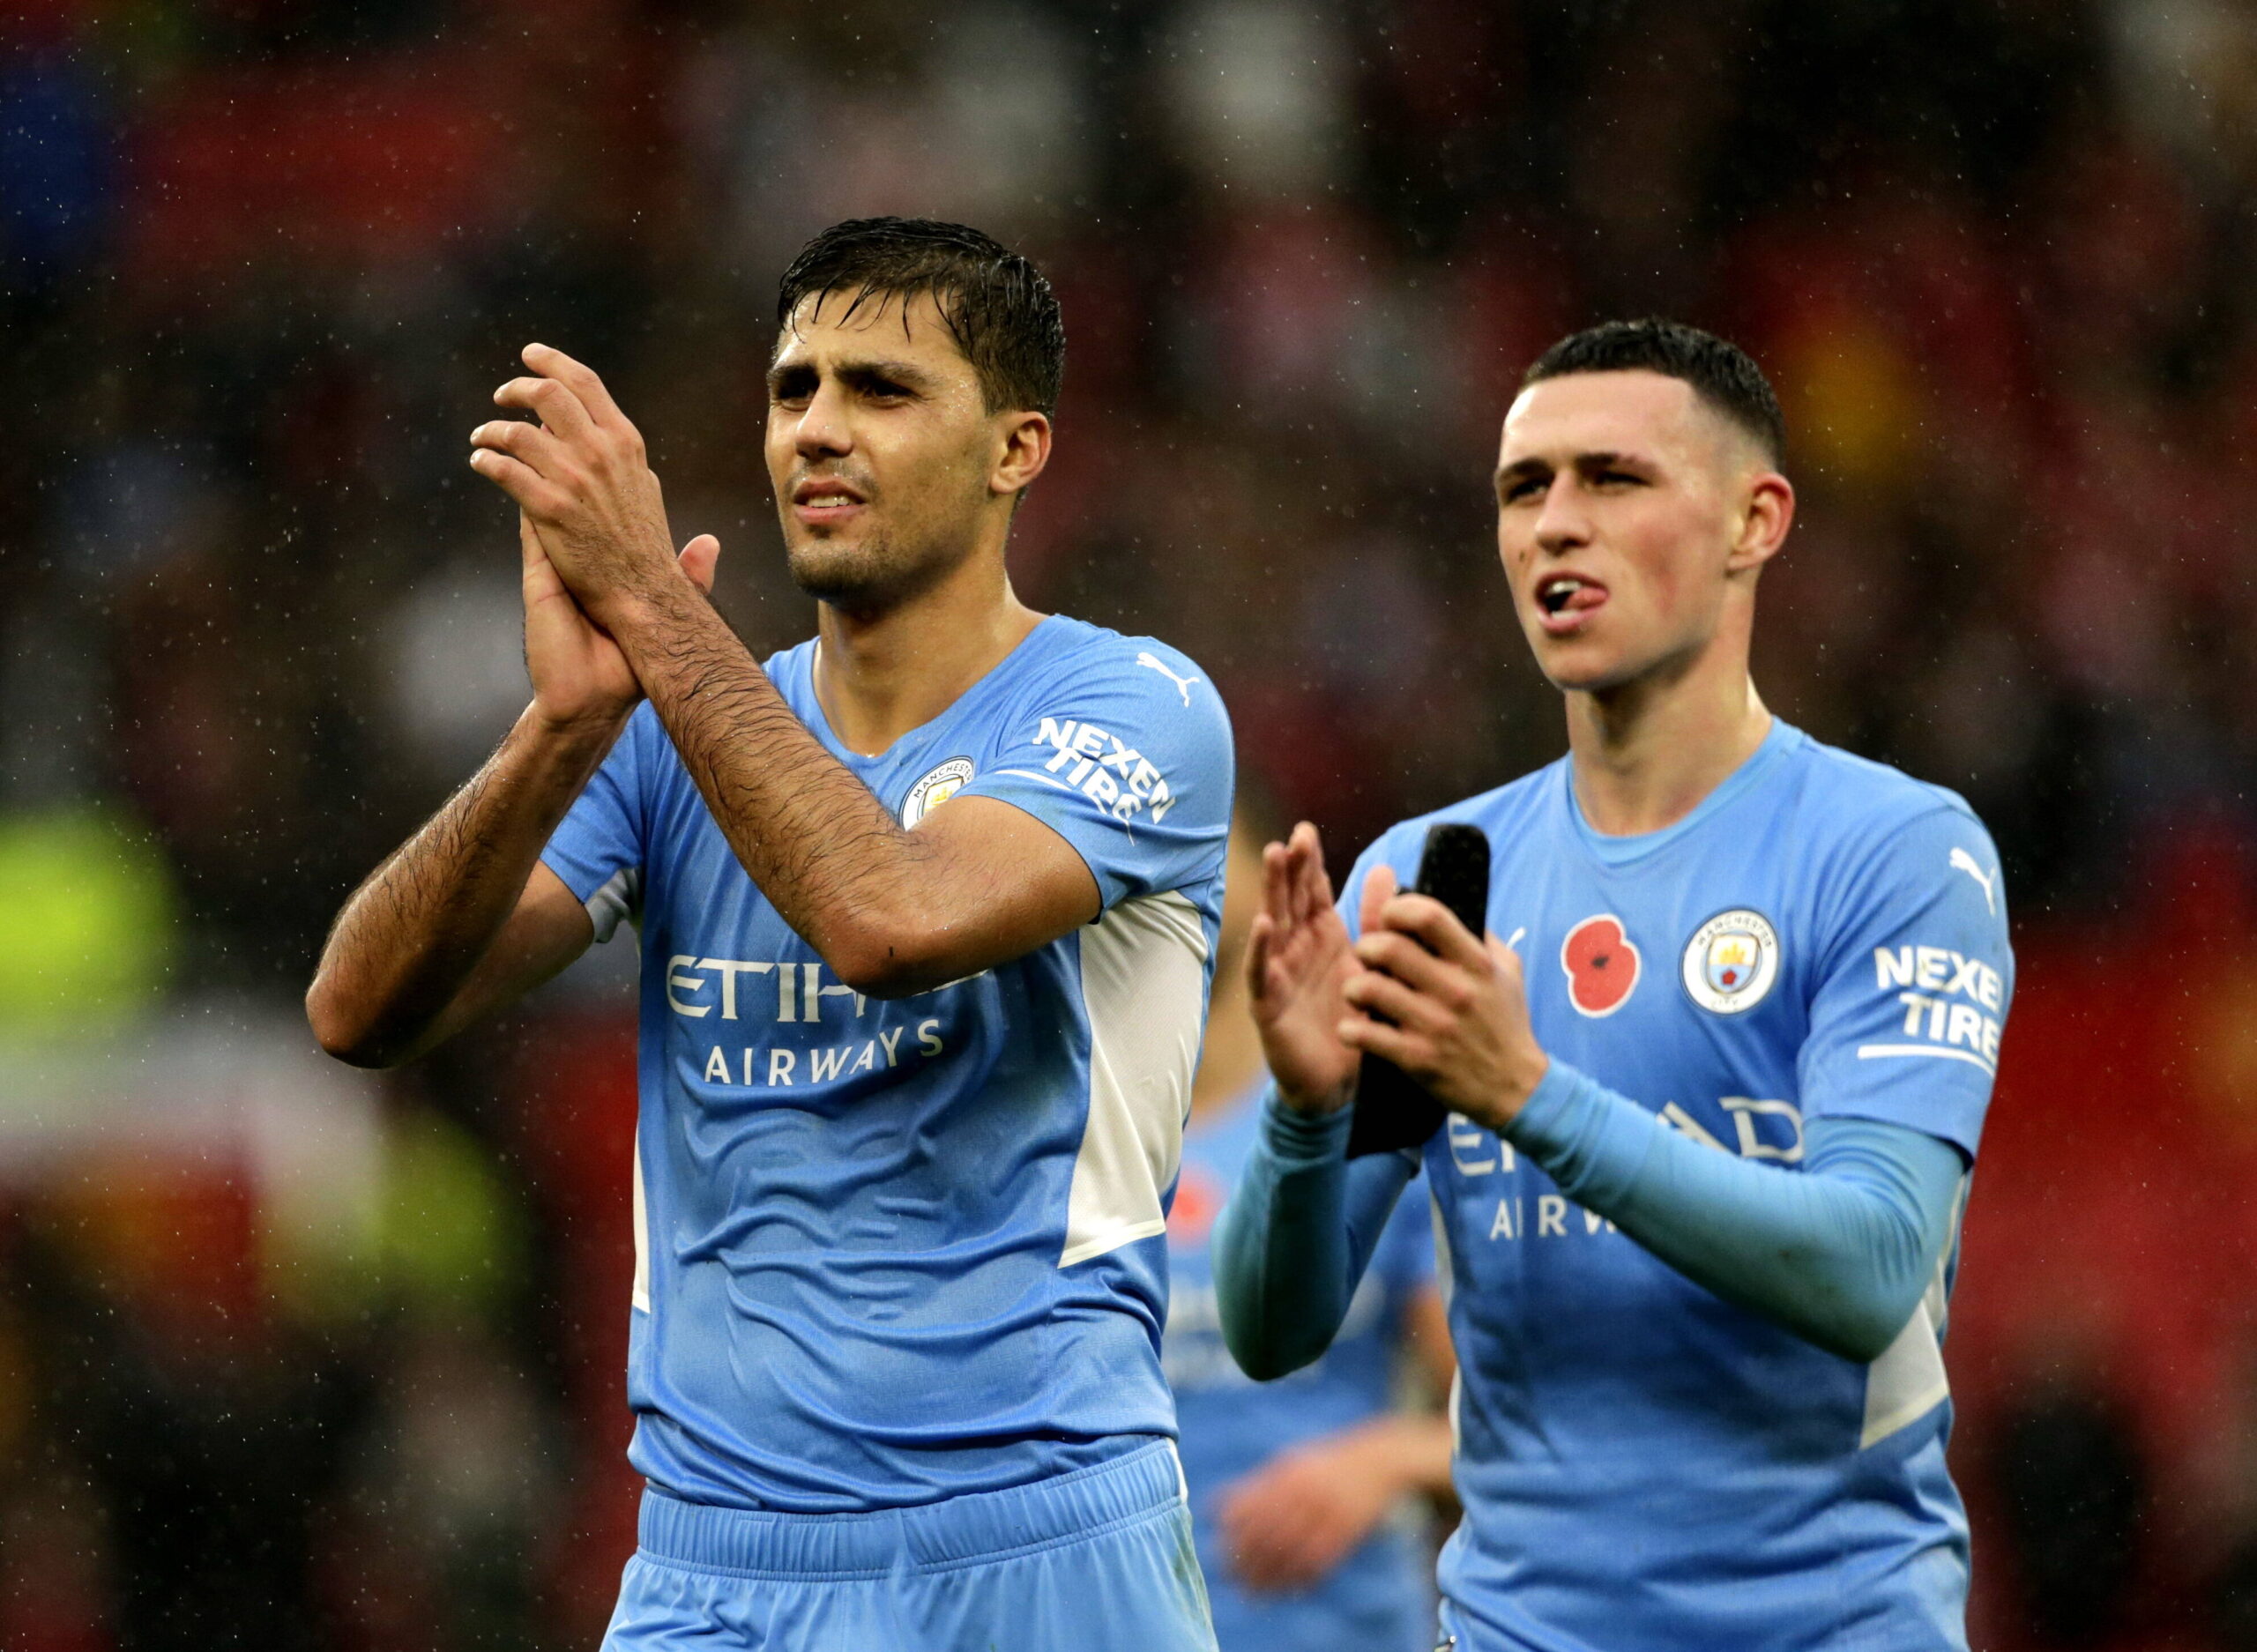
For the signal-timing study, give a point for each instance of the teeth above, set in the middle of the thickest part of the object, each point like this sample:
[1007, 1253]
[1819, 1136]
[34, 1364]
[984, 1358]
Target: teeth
[824, 500]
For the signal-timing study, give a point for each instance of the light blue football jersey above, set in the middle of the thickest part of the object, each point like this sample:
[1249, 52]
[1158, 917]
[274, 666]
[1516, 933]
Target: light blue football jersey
[889, 1252]
[1644, 1466]
[1379, 1598]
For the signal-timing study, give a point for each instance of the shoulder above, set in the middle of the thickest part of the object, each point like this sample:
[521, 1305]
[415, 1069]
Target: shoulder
[1087, 672]
[1875, 796]
[1871, 818]
[1884, 844]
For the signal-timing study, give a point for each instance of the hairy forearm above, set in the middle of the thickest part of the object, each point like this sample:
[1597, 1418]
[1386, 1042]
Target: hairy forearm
[828, 855]
[412, 935]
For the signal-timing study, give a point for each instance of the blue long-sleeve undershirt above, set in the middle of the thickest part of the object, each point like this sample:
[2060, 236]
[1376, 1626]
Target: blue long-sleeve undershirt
[1839, 1253]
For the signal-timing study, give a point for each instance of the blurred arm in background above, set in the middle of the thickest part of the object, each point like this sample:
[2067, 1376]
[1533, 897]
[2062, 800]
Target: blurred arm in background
[1290, 1522]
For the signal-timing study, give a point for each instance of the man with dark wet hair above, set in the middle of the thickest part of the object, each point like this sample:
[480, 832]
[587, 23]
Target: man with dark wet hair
[927, 907]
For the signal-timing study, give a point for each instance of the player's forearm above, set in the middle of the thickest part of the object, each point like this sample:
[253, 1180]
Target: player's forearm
[1839, 1253]
[1294, 1241]
[870, 897]
[411, 937]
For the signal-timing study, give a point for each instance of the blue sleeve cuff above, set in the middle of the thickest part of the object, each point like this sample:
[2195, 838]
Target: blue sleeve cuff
[1294, 1137]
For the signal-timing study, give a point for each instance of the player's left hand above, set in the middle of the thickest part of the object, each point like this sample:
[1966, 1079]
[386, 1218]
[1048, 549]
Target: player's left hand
[1458, 1006]
[1290, 1522]
[581, 478]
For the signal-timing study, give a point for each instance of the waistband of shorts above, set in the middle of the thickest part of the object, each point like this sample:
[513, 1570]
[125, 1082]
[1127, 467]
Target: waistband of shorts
[977, 1526]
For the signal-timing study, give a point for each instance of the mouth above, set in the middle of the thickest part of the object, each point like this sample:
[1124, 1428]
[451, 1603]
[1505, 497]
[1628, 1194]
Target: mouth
[1564, 601]
[823, 501]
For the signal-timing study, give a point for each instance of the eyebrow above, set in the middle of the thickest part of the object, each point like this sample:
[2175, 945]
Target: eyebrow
[860, 373]
[1599, 460]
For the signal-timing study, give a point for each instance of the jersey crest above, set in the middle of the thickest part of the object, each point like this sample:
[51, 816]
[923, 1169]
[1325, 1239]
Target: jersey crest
[1732, 961]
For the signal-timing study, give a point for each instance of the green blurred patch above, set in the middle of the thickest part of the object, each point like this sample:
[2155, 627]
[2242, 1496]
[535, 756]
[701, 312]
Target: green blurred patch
[88, 916]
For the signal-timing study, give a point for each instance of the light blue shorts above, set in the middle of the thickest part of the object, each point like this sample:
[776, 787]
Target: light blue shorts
[1099, 1560]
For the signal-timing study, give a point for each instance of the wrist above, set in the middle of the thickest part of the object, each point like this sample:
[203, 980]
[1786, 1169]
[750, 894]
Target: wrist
[1316, 1103]
[1521, 1083]
[571, 730]
[628, 610]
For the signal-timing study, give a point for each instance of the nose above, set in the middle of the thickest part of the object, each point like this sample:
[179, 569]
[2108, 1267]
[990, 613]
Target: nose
[824, 430]
[1561, 525]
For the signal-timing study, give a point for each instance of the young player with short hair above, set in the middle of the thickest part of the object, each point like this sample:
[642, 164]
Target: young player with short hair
[1716, 1095]
[926, 907]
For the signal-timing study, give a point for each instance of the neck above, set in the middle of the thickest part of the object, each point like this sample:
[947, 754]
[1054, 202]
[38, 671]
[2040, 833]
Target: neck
[1645, 754]
[1231, 1059]
[879, 672]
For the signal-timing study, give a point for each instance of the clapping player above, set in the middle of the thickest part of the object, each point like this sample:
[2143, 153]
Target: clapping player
[926, 907]
[1715, 1094]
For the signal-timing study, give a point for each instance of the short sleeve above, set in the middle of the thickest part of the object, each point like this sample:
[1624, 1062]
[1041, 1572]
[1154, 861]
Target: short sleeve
[1126, 754]
[1905, 1024]
[597, 848]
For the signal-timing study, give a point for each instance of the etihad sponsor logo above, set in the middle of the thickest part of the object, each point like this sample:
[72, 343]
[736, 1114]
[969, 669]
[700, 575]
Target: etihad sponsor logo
[788, 1069]
[739, 988]
[1478, 1152]
[1104, 768]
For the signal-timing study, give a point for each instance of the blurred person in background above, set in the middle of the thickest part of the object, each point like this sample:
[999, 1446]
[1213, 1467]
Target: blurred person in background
[1699, 1275]
[927, 909]
[1298, 1486]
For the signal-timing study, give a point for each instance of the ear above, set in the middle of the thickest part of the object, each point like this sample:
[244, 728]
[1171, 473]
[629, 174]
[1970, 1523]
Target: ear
[1767, 510]
[1025, 452]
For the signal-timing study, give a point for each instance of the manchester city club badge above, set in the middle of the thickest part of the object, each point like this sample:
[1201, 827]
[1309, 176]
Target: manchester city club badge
[933, 788]
[1732, 961]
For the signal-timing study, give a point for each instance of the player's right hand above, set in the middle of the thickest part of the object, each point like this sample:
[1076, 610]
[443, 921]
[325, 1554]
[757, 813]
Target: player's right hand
[579, 675]
[1298, 959]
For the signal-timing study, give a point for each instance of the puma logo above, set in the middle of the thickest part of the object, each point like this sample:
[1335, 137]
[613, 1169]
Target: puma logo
[1183, 684]
[1962, 861]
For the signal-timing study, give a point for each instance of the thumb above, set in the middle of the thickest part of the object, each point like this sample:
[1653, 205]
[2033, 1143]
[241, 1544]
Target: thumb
[698, 558]
[529, 543]
[1379, 887]
[1507, 961]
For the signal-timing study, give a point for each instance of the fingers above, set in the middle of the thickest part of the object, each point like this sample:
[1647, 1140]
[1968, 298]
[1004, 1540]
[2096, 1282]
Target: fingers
[699, 559]
[1312, 890]
[1413, 1052]
[522, 483]
[550, 402]
[1378, 994]
[1410, 964]
[1435, 923]
[527, 443]
[581, 380]
[1278, 884]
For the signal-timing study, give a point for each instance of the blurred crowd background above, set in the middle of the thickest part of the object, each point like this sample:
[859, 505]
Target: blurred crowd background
[293, 1357]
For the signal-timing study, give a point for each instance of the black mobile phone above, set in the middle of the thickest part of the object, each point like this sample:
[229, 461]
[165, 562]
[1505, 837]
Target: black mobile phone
[1392, 1109]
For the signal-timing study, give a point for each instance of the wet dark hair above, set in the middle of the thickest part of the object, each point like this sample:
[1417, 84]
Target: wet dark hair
[998, 305]
[1721, 373]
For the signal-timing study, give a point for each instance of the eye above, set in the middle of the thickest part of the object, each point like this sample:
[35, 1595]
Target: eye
[791, 390]
[1521, 488]
[884, 389]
